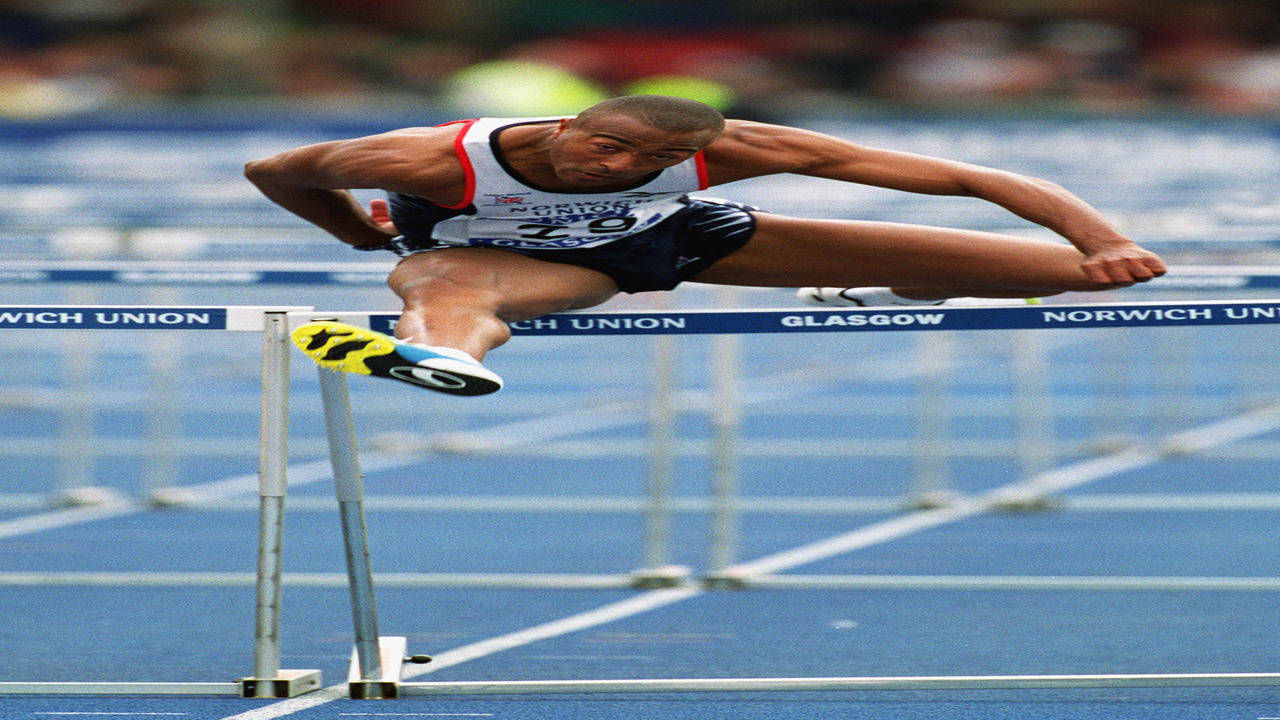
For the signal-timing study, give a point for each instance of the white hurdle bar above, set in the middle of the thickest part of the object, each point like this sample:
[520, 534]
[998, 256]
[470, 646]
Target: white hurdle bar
[376, 668]
[930, 318]
[268, 679]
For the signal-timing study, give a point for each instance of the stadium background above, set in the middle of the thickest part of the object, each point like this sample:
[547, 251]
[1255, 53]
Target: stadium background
[125, 125]
[758, 58]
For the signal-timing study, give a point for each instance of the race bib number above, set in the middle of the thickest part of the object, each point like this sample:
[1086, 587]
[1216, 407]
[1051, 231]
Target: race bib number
[598, 226]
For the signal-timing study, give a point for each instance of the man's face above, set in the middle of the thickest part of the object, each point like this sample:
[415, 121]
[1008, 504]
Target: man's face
[618, 149]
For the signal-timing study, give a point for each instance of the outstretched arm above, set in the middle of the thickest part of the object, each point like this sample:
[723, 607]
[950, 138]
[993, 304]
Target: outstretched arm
[313, 181]
[752, 149]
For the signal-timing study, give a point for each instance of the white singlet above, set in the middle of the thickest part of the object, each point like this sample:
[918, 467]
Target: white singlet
[511, 213]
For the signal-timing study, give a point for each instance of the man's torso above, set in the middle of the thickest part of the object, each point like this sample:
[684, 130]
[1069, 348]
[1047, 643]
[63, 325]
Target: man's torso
[499, 208]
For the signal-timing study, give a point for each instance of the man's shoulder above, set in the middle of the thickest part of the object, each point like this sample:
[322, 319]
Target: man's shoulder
[442, 136]
[437, 143]
[415, 160]
[747, 149]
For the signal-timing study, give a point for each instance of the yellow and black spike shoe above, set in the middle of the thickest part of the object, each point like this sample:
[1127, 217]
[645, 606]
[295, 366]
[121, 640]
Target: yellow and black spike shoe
[339, 346]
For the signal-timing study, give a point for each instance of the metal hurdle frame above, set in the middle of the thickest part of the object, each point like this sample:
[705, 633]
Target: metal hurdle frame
[376, 670]
[377, 661]
[268, 679]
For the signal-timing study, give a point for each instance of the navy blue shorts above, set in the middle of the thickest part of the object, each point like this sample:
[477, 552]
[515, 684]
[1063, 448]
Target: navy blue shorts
[660, 258]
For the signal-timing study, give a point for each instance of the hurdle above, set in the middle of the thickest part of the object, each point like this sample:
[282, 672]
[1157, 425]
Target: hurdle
[267, 680]
[377, 665]
[925, 449]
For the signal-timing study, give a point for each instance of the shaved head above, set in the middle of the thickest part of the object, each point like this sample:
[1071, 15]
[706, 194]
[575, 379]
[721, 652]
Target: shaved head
[670, 114]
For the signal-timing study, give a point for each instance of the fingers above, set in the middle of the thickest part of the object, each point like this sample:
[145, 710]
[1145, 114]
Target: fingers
[380, 213]
[1124, 269]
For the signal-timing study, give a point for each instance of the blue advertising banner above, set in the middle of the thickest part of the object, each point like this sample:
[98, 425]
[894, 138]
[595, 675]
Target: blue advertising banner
[1259, 312]
[107, 317]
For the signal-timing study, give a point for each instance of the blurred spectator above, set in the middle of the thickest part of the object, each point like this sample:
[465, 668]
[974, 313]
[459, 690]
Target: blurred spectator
[1093, 64]
[965, 61]
[831, 53]
[731, 69]
[519, 87]
[1246, 82]
[753, 57]
[1218, 57]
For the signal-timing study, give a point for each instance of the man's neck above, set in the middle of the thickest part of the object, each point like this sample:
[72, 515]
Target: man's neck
[526, 149]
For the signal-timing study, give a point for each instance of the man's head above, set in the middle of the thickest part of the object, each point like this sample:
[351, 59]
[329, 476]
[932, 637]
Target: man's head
[672, 114]
[627, 138]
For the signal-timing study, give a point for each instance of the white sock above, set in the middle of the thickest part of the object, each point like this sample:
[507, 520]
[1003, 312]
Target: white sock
[886, 296]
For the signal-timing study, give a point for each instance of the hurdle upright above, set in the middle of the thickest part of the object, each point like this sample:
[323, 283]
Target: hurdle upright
[377, 660]
[268, 679]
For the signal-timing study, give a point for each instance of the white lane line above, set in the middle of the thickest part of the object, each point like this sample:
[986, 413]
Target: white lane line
[1051, 481]
[855, 540]
[600, 616]
[62, 518]
[108, 714]
[619, 582]
[1016, 582]
[607, 614]
[12, 578]
[794, 383]
[298, 475]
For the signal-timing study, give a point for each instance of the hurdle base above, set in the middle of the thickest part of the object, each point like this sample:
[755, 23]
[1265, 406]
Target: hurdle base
[658, 578]
[286, 684]
[1027, 501]
[932, 500]
[391, 655]
[87, 496]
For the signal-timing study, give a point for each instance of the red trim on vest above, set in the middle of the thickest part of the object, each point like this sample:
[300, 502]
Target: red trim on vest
[700, 162]
[469, 191]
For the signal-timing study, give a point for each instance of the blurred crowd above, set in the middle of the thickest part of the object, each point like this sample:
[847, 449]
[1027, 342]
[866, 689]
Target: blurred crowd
[751, 57]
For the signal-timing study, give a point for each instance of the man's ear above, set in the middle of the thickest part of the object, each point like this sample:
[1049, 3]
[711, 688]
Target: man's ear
[562, 125]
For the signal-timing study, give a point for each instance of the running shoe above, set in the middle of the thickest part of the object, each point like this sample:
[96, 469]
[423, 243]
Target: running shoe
[339, 346]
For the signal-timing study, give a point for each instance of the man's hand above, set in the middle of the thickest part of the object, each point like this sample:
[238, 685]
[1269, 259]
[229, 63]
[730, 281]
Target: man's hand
[1122, 265]
[380, 218]
[381, 215]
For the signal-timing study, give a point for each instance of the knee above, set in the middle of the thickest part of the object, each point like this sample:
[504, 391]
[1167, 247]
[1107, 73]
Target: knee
[430, 279]
[441, 295]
